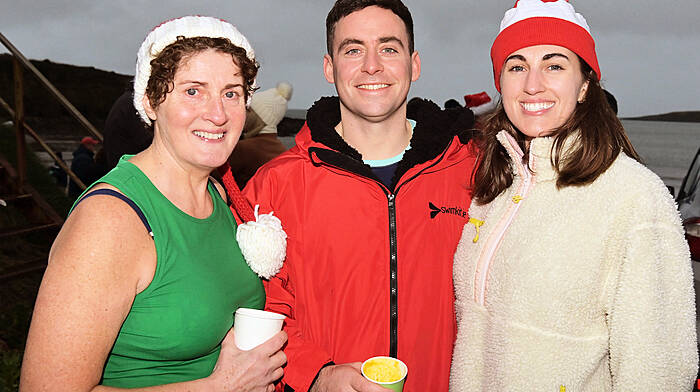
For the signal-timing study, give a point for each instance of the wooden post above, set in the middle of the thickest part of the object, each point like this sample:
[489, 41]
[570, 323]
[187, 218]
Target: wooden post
[46, 147]
[19, 123]
[42, 79]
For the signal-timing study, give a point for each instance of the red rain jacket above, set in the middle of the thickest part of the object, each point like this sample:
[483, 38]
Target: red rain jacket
[368, 269]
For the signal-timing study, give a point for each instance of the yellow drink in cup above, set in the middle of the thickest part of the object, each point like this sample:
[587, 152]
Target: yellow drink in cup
[386, 371]
[383, 370]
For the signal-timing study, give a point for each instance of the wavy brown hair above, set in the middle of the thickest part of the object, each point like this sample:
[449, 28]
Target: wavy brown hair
[165, 65]
[601, 139]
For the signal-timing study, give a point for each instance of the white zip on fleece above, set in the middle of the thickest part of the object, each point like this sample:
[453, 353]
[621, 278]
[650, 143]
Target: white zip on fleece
[494, 240]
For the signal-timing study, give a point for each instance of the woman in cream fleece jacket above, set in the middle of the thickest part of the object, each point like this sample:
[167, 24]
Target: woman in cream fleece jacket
[573, 273]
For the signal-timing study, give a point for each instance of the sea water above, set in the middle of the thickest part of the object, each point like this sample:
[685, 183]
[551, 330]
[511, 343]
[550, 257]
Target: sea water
[667, 148]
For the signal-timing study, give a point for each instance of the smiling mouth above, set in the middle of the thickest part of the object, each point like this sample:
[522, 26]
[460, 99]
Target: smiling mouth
[376, 86]
[537, 106]
[208, 135]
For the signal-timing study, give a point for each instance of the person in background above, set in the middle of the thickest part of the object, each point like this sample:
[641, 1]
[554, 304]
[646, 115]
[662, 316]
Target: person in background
[611, 100]
[462, 117]
[146, 273]
[259, 143]
[572, 273]
[452, 104]
[374, 204]
[124, 132]
[84, 165]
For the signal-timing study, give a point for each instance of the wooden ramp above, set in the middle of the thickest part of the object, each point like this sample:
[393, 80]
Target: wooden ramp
[23, 212]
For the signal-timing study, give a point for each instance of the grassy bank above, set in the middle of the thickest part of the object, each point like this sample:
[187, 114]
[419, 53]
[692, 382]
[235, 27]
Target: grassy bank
[18, 294]
[688, 116]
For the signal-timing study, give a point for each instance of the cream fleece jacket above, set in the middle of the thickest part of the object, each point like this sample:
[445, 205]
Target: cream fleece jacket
[585, 288]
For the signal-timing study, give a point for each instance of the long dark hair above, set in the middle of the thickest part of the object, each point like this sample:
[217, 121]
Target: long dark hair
[601, 138]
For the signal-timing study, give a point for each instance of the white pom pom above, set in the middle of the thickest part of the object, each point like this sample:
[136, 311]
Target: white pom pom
[284, 89]
[263, 243]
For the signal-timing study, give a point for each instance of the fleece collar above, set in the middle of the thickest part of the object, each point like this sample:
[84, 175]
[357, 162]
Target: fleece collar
[431, 136]
[539, 160]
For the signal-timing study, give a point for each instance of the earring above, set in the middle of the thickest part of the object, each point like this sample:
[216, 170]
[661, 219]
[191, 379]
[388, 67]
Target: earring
[582, 93]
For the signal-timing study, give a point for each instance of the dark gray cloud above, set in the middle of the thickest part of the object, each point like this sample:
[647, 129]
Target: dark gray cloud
[647, 49]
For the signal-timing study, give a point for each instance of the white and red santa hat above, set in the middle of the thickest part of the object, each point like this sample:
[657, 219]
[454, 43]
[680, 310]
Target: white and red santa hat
[168, 32]
[542, 22]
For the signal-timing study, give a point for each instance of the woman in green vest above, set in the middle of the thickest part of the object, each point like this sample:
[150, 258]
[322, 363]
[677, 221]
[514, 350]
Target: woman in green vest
[146, 273]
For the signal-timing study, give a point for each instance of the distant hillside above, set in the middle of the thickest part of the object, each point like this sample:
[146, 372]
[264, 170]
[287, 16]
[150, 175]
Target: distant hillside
[90, 90]
[691, 116]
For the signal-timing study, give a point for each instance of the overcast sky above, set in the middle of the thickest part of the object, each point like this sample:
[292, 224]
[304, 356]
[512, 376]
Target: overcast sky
[649, 51]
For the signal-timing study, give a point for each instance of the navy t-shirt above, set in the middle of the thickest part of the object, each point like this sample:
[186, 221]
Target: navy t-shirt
[385, 168]
[386, 173]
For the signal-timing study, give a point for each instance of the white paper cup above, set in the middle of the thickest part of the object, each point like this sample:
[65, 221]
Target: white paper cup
[252, 327]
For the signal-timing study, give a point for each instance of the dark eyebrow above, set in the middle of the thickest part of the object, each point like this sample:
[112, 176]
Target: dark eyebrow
[350, 41]
[551, 55]
[384, 40]
[515, 57]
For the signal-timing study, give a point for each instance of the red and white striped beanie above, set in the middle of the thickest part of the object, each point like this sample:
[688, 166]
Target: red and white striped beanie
[542, 22]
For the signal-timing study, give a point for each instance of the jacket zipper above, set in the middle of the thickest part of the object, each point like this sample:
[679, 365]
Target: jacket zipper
[393, 281]
[393, 258]
[494, 240]
[393, 250]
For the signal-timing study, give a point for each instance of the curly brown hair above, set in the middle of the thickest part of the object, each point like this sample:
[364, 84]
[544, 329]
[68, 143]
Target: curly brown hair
[166, 64]
[601, 135]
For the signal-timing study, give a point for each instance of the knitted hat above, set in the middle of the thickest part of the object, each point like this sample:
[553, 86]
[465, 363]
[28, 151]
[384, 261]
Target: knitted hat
[542, 22]
[271, 105]
[166, 33]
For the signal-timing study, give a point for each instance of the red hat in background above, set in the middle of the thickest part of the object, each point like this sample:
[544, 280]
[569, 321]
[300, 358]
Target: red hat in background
[474, 100]
[479, 103]
[87, 140]
[542, 22]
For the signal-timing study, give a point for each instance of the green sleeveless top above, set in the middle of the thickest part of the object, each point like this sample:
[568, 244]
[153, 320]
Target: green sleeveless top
[174, 329]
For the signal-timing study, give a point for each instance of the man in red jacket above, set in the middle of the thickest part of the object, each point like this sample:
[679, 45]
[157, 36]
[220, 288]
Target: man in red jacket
[373, 204]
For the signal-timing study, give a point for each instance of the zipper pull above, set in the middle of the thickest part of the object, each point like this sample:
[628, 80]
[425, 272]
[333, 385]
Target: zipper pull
[517, 198]
[477, 223]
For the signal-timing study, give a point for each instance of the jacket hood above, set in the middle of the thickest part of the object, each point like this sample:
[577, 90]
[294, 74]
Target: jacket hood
[434, 130]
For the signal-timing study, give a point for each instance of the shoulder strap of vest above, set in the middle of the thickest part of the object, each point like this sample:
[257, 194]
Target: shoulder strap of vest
[112, 192]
